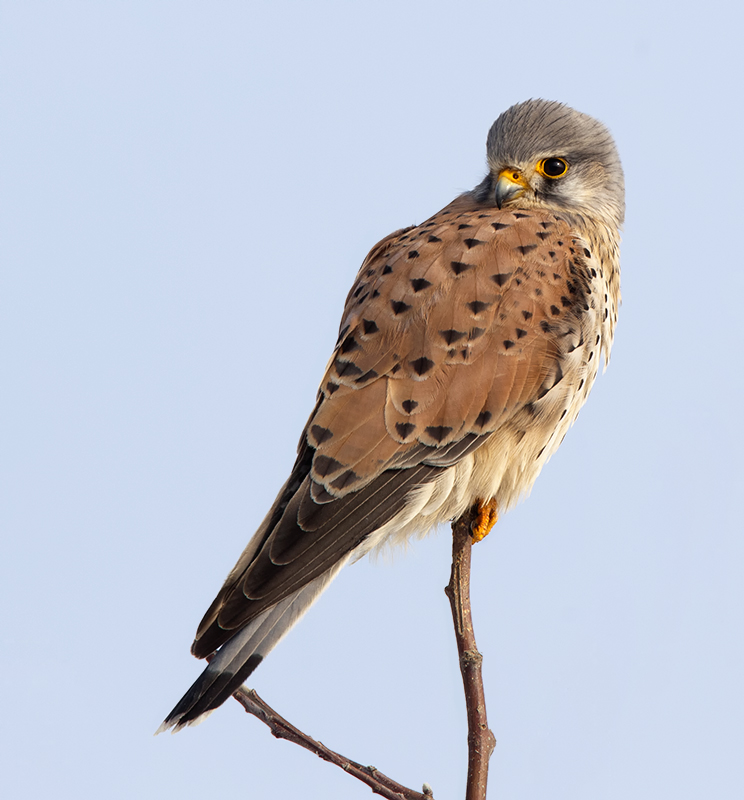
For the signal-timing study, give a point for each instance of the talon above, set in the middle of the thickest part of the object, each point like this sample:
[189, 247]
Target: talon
[487, 514]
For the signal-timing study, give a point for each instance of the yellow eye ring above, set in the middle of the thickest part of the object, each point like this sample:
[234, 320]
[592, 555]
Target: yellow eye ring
[553, 167]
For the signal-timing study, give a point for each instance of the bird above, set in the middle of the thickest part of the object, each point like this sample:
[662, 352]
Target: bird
[467, 346]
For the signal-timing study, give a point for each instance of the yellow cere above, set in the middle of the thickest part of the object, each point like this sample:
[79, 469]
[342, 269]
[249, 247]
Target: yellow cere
[513, 176]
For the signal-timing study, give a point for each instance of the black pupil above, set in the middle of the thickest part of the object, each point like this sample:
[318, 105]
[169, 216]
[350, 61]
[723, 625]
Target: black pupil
[554, 167]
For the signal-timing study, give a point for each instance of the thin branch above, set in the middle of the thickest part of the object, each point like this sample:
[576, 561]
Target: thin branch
[481, 741]
[379, 783]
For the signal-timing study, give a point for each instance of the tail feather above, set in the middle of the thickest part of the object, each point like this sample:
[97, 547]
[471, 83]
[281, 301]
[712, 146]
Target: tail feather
[240, 655]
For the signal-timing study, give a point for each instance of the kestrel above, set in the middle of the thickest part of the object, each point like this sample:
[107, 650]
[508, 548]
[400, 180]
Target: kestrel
[467, 346]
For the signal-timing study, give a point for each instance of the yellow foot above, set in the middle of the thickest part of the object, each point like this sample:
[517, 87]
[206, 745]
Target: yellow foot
[487, 514]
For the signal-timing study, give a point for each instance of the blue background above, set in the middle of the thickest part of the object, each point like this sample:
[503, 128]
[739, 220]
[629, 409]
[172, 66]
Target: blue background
[187, 192]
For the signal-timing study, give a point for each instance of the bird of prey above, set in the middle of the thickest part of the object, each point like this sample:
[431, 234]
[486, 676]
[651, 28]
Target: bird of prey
[467, 346]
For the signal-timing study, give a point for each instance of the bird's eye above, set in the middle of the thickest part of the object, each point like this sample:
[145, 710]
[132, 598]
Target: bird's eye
[553, 167]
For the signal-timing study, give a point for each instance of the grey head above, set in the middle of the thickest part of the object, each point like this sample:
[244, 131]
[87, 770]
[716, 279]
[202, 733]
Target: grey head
[545, 154]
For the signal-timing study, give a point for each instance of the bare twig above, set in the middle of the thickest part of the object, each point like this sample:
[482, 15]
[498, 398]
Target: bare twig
[379, 783]
[481, 741]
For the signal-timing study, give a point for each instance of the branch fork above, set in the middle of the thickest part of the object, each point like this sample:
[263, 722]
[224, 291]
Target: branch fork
[481, 741]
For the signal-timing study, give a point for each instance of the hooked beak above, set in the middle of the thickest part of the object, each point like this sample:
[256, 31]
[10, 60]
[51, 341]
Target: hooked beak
[510, 184]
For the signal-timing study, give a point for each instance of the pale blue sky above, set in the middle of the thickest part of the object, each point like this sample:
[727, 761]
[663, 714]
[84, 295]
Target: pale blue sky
[187, 192]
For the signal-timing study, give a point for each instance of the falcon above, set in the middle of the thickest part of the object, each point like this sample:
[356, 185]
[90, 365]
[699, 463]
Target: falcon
[467, 346]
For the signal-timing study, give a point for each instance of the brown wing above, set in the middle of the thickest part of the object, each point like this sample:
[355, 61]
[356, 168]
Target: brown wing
[449, 330]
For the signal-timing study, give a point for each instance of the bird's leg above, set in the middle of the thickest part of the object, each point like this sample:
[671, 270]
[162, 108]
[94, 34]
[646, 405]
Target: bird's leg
[486, 515]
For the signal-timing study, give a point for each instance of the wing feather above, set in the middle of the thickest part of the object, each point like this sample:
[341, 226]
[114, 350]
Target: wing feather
[448, 331]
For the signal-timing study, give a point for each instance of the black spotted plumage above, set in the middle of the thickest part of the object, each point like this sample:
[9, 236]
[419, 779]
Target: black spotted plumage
[466, 348]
